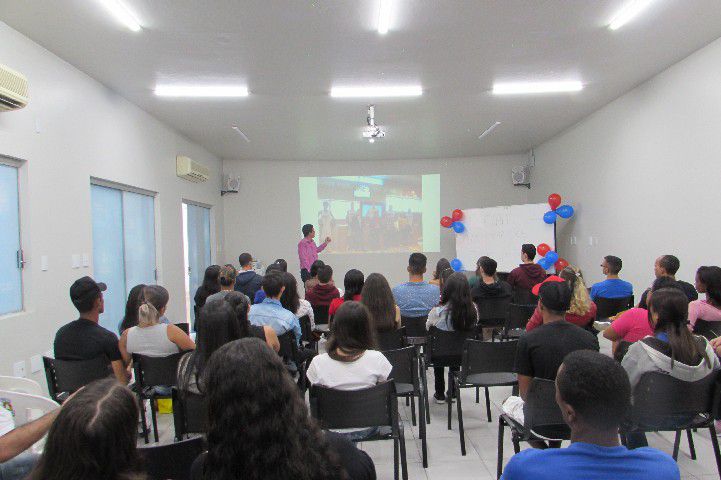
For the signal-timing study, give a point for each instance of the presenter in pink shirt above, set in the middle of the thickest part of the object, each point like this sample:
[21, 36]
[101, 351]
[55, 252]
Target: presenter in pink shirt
[308, 250]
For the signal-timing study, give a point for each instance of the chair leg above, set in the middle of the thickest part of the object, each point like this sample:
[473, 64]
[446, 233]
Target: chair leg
[407, 402]
[395, 458]
[676, 443]
[478, 394]
[422, 431]
[143, 421]
[413, 409]
[691, 446]
[461, 433]
[716, 452]
[488, 406]
[499, 465]
[404, 463]
[449, 397]
[516, 443]
[155, 419]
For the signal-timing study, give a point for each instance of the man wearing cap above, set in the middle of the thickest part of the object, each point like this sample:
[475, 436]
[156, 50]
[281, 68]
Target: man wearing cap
[84, 339]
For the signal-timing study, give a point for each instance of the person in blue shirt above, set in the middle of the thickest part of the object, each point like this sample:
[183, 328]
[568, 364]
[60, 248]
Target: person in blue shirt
[594, 394]
[612, 287]
[270, 312]
[416, 297]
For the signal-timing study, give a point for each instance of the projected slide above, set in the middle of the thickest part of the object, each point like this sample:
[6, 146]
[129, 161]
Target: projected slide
[371, 214]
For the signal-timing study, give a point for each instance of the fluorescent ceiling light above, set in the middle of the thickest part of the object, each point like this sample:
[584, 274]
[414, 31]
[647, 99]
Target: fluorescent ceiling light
[122, 14]
[376, 92]
[628, 12]
[384, 16]
[240, 132]
[536, 87]
[201, 91]
[489, 130]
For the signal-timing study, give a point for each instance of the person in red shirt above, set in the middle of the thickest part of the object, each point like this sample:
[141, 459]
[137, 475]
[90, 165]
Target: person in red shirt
[323, 293]
[528, 274]
[582, 310]
[353, 284]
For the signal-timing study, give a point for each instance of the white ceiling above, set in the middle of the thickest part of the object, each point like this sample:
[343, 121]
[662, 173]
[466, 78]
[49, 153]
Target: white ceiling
[290, 53]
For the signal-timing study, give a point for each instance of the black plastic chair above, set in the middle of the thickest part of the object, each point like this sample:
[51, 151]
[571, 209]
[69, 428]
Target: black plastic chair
[173, 460]
[707, 329]
[524, 297]
[66, 376]
[289, 352]
[542, 419]
[609, 307]
[518, 317]
[307, 336]
[405, 374]
[492, 312]
[190, 414]
[151, 375]
[415, 329]
[320, 314]
[485, 364]
[371, 407]
[659, 397]
[391, 339]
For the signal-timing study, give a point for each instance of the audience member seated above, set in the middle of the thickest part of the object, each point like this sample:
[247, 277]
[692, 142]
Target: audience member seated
[323, 294]
[612, 287]
[542, 350]
[352, 287]
[247, 282]
[672, 349]
[582, 311]
[259, 425]
[292, 302]
[594, 396]
[416, 297]
[313, 272]
[150, 337]
[260, 294]
[227, 283]
[489, 286]
[217, 325]
[441, 265]
[94, 436]
[84, 339]
[708, 281]
[130, 319]
[378, 299]
[456, 312]
[667, 266]
[282, 264]
[270, 311]
[527, 274]
[241, 306]
[210, 285]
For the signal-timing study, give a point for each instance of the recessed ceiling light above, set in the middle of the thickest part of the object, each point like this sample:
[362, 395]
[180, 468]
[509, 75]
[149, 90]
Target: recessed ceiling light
[489, 130]
[376, 92]
[201, 91]
[521, 88]
[122, 14]
[384, 16]
[628, 12]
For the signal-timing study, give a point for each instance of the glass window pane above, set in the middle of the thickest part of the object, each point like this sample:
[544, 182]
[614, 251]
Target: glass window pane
[198, 231]
[139, 239]
[10, 274]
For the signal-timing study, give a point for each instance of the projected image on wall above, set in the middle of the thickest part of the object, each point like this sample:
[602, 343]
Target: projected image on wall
[377, 213]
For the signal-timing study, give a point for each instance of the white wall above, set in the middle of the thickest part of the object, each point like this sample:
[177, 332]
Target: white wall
[84, 130]
[264, 218]
[643, 173]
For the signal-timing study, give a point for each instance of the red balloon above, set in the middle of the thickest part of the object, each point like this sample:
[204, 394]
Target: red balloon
[560, 264]
[554, 200]
[457, 214]
[543, 249]
[446, 222]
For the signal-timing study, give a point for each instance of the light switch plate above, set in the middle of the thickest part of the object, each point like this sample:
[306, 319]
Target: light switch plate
[86, 260]
[76, 260]
[44, 263]
[19, 369]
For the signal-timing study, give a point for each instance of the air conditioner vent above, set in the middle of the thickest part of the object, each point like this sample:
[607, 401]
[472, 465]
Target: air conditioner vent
[13, 89]
[191, 170]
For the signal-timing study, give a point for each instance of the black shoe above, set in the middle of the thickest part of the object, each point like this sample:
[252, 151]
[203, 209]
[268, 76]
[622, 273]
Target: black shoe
[439, 398]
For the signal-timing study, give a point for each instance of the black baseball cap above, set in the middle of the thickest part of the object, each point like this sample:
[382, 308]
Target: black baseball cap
[84, 290]
[555, 296]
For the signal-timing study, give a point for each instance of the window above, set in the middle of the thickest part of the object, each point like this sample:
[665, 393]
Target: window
[196, 236]
[123, 246]
[11, 287]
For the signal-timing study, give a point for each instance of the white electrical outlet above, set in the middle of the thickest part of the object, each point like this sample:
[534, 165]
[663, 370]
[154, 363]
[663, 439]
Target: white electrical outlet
[590, 241]
[36, 363]
[19, 369]
[44, 263]
[76, 260]
[86, 260]
[573, 240]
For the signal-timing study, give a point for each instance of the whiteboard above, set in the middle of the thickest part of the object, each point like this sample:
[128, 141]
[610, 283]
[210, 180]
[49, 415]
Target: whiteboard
[499, 232]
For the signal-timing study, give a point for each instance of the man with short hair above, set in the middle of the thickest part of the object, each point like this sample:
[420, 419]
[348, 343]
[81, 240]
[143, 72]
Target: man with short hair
[325, 291]
[527, 274]
[416, 297]
[594, 394]
[612, 287]
[84, 339]
[308, 251]
[247, 282]
[667, 266]
[270, 312]
[489, 286]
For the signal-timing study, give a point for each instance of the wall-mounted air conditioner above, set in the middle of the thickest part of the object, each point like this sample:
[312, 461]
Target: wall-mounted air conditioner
[13, 89]
[191, 170]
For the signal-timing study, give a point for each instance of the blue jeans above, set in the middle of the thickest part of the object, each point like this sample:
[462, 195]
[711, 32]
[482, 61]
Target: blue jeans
[19, 467]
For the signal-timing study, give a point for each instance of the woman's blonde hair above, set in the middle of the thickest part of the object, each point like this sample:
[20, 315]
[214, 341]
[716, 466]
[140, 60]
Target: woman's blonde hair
[154, 299]
[580, 299]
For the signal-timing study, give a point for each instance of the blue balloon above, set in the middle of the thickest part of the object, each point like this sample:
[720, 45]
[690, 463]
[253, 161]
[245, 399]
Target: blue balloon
[565, 211]
[544, 263]
[552, 257]
[549, 217]
[456, 264]
[458, 227]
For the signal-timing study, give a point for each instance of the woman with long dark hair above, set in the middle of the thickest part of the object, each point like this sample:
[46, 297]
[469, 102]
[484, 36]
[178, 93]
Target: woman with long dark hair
[217, 325]
[210, 285]
[313, 280]
[131, 308]
[241, 306]
[94, 436]
[353, 286]
[456, 312]
[442, 265]
[259, 426]
[378, 299]
[291, 301]
[708, 281]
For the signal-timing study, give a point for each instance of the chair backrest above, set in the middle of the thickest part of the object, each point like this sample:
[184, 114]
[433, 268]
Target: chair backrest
[20, 385]
[487, 357]
[306, 332]
[27, 407]
[708, 329]
[405, 366]
[522, 296]
[156, 371]
[370, 407]
[518, 316]
[541, 412]
[67, 376]
[320, 314]
[172, 460]
[492, 312]
[184, 327]
[608, 307]
[444, 348]
[190, 414]
[415, 326]
[391, 339]
[288, 346]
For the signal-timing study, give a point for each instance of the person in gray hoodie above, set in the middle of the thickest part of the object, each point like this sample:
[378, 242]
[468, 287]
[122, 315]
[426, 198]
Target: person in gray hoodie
[672, 349]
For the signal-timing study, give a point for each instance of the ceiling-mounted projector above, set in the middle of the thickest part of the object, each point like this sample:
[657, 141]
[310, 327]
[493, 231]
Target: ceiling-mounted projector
[372, 131]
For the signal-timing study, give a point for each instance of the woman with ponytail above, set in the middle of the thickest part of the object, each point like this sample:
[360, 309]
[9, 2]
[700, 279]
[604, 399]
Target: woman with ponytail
[708, 281]
[150, 337]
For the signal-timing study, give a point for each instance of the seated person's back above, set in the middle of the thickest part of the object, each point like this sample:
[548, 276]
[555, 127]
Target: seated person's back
[708, 281]
[325, 291]
[416, 297]
[489, 286]
[527, 274]
[247, 282]
[612, 286]
[270, 311]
